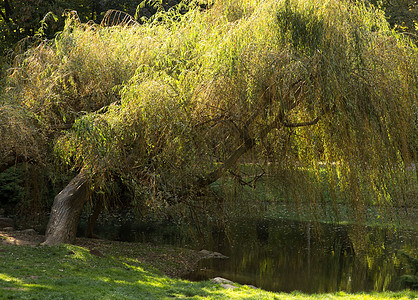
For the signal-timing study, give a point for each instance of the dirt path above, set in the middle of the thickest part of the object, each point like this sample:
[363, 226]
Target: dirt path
[20, 238]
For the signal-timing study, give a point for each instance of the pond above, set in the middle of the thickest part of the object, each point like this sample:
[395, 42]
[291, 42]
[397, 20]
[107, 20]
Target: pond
[283, 255]
[288, 255]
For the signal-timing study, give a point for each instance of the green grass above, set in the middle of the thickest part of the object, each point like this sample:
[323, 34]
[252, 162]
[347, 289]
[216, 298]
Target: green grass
[71, 272]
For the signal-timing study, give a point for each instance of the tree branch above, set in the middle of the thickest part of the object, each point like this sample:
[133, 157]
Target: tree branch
[102, 110]
[105, 108]
[243, 148]
[249, 142]
[309, 123]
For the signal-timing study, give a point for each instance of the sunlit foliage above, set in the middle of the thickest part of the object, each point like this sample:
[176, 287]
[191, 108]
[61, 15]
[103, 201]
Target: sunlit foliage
[171, 105]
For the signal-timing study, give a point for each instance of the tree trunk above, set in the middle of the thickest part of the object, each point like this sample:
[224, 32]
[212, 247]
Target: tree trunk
[66, 211]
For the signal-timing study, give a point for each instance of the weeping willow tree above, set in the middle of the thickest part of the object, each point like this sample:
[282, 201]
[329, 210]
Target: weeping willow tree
[171, 106]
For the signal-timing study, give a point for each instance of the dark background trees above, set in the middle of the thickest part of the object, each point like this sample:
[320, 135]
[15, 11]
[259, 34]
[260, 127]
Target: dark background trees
[20, 18]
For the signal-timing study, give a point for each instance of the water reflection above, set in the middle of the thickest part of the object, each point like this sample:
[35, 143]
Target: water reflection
[283, 255]
[287, 256]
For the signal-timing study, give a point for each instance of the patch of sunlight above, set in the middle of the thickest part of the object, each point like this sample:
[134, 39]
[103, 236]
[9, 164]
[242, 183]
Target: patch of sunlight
[77, 252]
[153, 283]
[124, 282]
[104, 279]
[38, 286]
[240, 294]
[136, 268]
[9, 278]
[145, 281]
[20, 285]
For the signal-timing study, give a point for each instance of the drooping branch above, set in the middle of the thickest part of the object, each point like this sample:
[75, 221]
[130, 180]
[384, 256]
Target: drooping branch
[302, 124]
[105, 108]
[216, 174]
[247, 145]
[251, 183]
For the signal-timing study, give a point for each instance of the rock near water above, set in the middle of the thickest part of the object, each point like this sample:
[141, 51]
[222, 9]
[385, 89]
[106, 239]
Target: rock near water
[228, 284]
[209, 254]
[225, 283]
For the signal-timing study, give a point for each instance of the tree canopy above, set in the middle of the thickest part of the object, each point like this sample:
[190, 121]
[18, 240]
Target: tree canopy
[170, 106]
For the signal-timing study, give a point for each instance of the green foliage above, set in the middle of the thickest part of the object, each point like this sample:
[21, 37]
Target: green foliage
[410, 280]
[27, 191]
[11, 186]
[42, 31]
[302, 29]
[163, 104]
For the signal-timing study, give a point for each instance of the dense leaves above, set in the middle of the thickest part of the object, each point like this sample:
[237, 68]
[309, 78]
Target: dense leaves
[174, 104]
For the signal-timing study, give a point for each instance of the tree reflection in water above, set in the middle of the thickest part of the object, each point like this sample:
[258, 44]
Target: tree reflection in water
[289, 255]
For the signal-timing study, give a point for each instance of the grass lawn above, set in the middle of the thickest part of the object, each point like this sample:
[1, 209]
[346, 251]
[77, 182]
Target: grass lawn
[122, 271]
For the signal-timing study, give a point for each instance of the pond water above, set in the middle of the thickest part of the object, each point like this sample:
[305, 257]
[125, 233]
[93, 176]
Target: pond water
[288, 256]
[283, 255]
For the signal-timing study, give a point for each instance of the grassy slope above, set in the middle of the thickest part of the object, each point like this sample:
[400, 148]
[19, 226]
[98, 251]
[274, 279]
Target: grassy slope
[71, 272]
